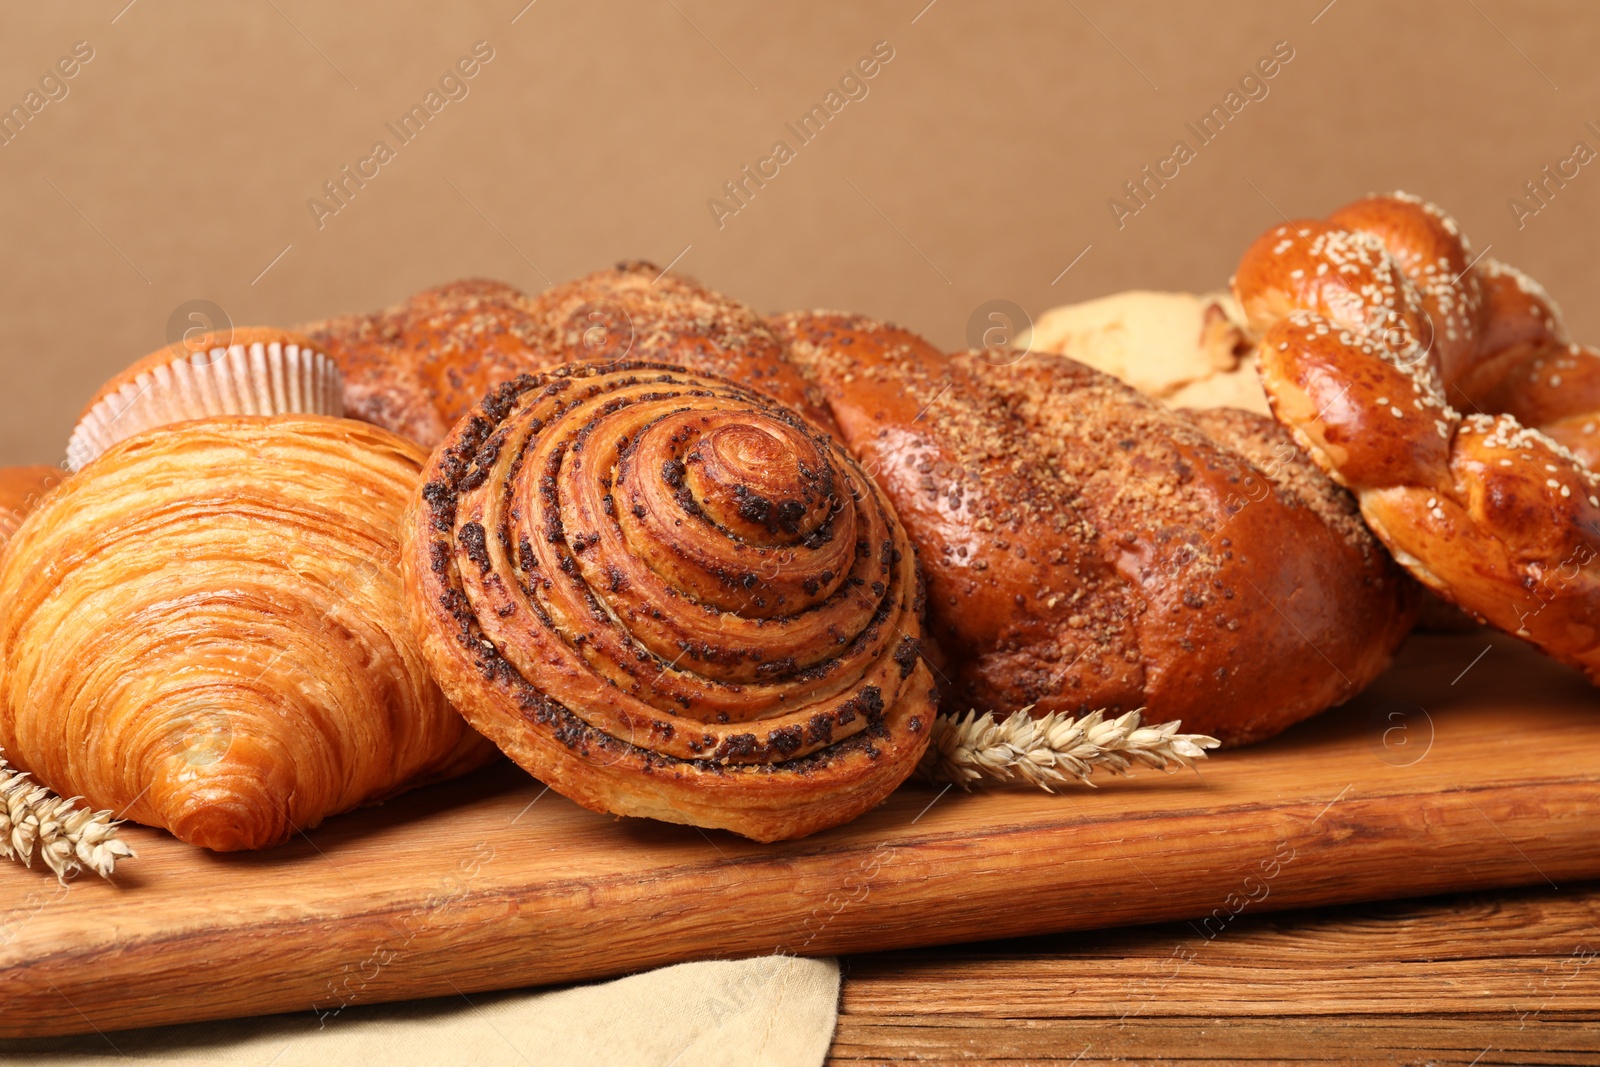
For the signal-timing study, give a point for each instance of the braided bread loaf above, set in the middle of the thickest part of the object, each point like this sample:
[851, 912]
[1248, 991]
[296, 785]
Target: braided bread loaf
[1086, 547]
[1376, 328]
[635, 311]
[418, 367]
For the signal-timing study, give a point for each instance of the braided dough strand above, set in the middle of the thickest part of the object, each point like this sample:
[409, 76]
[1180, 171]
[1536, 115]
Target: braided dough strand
[1378, 329]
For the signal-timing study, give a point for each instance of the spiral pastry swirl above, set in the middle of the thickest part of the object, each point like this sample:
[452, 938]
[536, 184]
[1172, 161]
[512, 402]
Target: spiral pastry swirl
[668, 596]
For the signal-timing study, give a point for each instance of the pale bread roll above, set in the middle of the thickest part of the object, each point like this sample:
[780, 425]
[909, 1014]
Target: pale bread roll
[1187, 349]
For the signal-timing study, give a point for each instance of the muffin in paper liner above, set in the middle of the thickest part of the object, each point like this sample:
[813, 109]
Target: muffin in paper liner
[242, 371]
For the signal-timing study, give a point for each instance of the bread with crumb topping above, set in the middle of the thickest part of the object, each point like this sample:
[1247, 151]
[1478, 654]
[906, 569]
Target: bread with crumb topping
[1085, 547]
[636, 311]
[419, 366]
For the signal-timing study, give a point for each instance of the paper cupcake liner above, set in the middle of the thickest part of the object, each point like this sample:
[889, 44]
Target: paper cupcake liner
[261, 372]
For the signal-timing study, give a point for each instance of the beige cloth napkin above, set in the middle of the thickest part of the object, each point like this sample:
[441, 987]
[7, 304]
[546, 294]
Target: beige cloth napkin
[771, 1010]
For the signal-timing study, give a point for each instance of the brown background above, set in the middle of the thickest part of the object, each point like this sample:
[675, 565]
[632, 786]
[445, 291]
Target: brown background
[977, 168]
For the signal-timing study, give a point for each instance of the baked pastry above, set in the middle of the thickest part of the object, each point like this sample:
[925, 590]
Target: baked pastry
[417, 367]
[1527, 367]
[421, 365]
[1085, 548]
[665, 595]
[21, 490]
[636, 311]
[248, 370]
[1189, 350]
[204, 631]
[1373, 325]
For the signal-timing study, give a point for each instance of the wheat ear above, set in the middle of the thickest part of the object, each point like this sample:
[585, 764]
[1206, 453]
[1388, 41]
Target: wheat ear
[1052, 751]
[67, 838]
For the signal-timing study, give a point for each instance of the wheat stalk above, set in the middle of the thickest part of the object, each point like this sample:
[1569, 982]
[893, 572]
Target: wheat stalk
[68, 838]
[1052, 751]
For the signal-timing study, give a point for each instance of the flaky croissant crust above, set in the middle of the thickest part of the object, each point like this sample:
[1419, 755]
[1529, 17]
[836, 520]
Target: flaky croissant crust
[204, 631]
[667, 596]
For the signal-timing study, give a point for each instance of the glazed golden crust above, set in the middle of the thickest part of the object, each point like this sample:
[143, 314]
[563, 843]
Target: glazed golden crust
[1086, 548]
[666, 596]
[637, 312]
[1528, 368]
[1372, 327]
[417, 367]
[204, 631]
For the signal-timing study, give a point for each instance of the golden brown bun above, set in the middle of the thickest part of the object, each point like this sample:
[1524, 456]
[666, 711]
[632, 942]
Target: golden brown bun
[667, 596]
[417, 367]
[421, 365]
[203, 631]
[21, 491]
[1371, 326]
[636, 312]
[1086, 548]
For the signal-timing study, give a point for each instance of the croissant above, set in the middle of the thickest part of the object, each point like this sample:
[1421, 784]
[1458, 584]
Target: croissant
[204, 631]
[666, 595]
[1086, 548]
[1371, 326]
[21, 491]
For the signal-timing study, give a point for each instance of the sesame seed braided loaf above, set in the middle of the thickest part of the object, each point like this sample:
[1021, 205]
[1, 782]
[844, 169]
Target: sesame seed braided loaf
[1444, 393]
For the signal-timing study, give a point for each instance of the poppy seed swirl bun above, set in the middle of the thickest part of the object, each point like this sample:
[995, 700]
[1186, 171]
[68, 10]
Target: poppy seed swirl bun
[666, 595]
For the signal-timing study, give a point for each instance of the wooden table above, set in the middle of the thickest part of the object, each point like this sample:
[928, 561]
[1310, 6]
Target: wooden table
[1504, 977]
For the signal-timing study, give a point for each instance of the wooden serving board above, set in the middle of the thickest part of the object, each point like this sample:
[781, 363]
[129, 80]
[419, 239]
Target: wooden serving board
[1473, 763]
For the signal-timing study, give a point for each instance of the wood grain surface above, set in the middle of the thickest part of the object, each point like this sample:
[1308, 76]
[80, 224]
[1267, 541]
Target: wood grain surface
[1469, 765]
[1511, 976]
